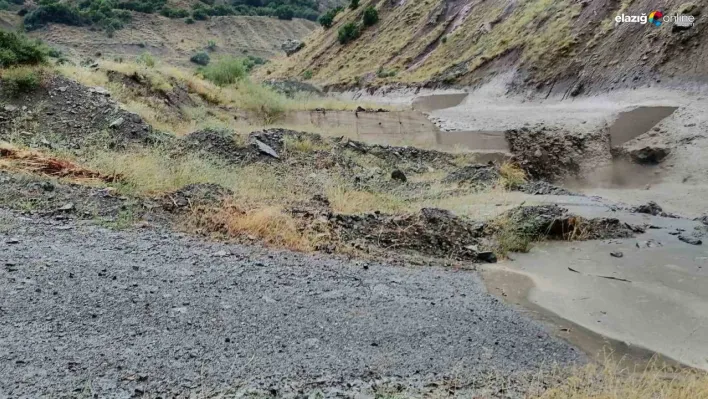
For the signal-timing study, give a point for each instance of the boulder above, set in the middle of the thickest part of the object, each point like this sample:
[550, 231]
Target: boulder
[649, 155]
[292, 46]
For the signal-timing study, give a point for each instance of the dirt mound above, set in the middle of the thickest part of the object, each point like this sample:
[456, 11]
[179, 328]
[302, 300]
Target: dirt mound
[479, 174]
[555, 223]
[552, 154]
[194, 195]
[64, 114]
[219, 143]
[174, 99]
[432, 232]
[544, 188]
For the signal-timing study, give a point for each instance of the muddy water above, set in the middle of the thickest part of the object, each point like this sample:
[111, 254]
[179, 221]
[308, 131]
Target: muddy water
[438, 101]
[653, 297]
[634, 123]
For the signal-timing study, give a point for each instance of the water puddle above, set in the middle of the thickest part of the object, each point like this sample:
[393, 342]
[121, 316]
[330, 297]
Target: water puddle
[634, 123]
[438, 101]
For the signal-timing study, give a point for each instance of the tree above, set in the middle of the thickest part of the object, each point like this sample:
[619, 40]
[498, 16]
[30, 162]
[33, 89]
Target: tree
[200, 58]
[284, 12]
[354, 4]
[371, 16]
[348, 32]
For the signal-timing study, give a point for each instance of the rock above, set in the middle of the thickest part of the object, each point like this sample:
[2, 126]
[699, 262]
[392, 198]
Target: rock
[292, 46]
[690, 240]
[703, 219]
[221, 254]
[649, 155]
[10, 108]
[12, 241]
[398, 175]
[116, 123]
[66, 207]
[487, 256]
[576, 90]
[650, 208]
[266, 149]
[616, 254]
[100, 91]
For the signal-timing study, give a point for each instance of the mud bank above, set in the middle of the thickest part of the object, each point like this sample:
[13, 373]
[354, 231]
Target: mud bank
[650, 294]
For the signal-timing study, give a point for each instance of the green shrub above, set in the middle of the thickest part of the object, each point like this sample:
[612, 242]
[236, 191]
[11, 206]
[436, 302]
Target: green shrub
[327, 19]
[307, 75]
[53, 12]
[382, 73]
[200, 58]
[348, 32]
[211, 45]
[251, 62]
[17, 49]
[146, 59]
[224, 72]
[371, 16]
[285, 12]
[200, 14]
[4, 5]
[354, 4]
[19, 80]
[170, 12]
[189, 20]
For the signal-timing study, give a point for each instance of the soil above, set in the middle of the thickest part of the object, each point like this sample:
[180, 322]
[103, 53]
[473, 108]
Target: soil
[91, 311]
[63, 114]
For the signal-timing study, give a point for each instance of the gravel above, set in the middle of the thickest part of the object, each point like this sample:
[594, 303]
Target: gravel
[118, 314]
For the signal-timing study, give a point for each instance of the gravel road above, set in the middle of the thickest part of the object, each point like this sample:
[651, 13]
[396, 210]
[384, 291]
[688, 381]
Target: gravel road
[86, 310]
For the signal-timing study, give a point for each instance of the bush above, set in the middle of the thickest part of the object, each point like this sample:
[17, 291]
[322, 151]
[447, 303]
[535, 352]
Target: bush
[146, 59]
[371, 16]
[354, 4]
[211, 45]
[4, 5]
[189, 20]
[307, 75]
[327, 19]
[16, 49]
[201, 58]
[285, 12]
[224, 72]
[251, 62]
[200, 14]
[20, 80]
[53, 12]
[170, 12]
[348, 32]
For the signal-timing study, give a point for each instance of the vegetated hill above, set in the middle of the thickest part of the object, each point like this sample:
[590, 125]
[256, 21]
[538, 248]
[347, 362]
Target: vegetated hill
[174, 41]
[558, 44]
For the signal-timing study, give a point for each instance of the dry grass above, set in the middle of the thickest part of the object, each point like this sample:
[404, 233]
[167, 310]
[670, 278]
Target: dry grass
[511, 175]
[269, 225]
[612, 381]
[540, 30]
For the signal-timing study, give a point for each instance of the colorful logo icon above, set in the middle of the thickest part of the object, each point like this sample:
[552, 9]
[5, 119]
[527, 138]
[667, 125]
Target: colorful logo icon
[655, 17]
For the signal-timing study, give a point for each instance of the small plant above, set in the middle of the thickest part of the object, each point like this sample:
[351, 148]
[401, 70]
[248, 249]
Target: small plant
[354, 4]
[327, 19]
[146, 59]
[200, 58]
[307, 75]
[211, 45]
[19, 80]
[511, 176]
[224, 72]
[444, 39]
[189, 20]
[382, 73]
[348, 33]
[371, 16]
[17, 49]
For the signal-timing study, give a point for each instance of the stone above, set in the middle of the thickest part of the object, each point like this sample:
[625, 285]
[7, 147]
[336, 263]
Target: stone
[10, 108]
[266, 149]
[292, 46]
[116, 123]
[650, 208]
[12, 241]
[398, 175]
[100, 90]
[649, 155]
[616, 254]
[690, 240]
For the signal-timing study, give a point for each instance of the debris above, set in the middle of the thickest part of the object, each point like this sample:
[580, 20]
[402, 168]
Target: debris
[605, 277]
[690, 240]
[650, 155]
[650, 208]
[616, 254]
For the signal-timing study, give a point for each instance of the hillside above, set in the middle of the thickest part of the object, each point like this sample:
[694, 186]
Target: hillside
[174, 41]
[550, 44]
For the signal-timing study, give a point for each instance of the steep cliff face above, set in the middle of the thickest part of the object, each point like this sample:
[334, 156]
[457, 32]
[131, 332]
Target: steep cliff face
[566, 45]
